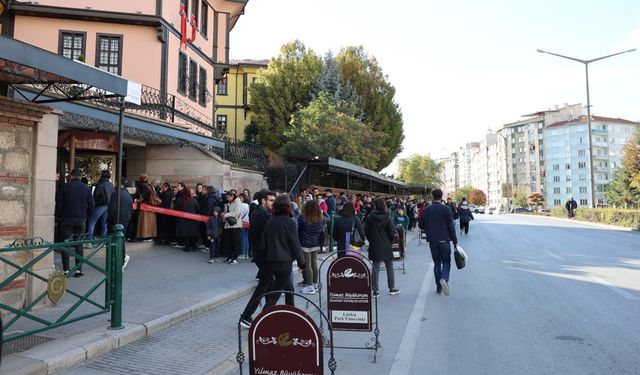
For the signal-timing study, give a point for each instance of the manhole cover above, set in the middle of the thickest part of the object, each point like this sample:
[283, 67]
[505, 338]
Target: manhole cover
[22, 344]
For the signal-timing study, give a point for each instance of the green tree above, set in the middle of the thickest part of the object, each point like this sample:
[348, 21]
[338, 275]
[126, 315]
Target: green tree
[379, 109]
[464, 193]
[620, 192]
[281, 89]
[420, 169]
[521, 197]
[320, 129]
[631, 160]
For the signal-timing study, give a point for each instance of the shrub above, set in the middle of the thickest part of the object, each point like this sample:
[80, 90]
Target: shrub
[614, 216]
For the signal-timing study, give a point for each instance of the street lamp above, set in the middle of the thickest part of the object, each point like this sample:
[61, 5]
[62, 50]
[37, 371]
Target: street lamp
[586, 69]
[506, 169]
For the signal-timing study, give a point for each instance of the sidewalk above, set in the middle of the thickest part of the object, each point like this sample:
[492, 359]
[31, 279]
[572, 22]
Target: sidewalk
[163, 286]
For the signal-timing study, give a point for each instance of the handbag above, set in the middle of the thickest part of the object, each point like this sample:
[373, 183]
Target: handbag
[356, 238]
[231, 220]
[154, 199]
[460, 257]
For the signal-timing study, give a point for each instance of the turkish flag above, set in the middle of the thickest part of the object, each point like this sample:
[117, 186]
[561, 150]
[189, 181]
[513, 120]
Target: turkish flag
[194, 25]
[183, 26]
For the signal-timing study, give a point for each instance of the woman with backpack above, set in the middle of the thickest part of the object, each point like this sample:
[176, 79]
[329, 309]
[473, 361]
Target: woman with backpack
[465, 217]
[380, 233]
[347, 222]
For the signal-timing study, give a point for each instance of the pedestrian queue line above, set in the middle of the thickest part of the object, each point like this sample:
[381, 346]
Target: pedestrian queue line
[170, 212]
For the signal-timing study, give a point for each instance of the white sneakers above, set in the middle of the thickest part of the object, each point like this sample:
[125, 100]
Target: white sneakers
[445, 287]
[309, 289]
[126, 261]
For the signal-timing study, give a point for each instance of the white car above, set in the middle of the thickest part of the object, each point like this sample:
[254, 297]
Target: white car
[476, 209]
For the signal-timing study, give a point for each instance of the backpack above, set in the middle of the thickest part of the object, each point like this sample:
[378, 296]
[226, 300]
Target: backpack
[100, 195]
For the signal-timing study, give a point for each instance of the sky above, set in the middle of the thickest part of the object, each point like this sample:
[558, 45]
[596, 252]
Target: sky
[462, 67]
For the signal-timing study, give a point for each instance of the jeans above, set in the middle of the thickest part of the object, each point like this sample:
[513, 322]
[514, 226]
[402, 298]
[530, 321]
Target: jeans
[441, 255]
[213, 248]
[244, 242]
[388, 264]
[70, 232]
[98, 215]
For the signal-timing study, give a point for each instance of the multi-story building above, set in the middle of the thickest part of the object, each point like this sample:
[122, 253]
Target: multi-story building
[449, 174]
[465, 158]
[569, 172]
[233, 100]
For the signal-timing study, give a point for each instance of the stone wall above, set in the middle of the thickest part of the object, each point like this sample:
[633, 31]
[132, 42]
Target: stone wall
[27, 185]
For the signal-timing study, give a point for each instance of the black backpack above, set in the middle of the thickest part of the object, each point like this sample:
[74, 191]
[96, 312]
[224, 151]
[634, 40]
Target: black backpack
[100, 195]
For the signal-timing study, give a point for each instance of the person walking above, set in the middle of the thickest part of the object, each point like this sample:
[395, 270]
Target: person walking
[283, 247]
[310, 232]
[465, 217]
[126, 213]
[259, 218]
[347, 222]
[437, 221]
[380, 232]
[570, 207]
[75, 205]
[101, 196]
[232, 226]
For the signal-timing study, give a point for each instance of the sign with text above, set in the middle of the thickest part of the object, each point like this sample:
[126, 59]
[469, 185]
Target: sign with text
[349, 294]
[285, 340]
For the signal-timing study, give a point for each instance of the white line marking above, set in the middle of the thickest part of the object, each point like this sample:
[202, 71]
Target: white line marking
[558, 257]
[621, 292]
[404, 355]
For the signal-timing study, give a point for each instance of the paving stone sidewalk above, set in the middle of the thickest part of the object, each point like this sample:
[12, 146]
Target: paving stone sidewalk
[162, 287]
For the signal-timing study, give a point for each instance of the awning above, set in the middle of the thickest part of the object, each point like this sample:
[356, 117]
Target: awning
[22, 63]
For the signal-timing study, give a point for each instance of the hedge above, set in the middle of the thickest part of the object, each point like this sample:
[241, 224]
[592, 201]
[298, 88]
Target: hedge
[613, 216]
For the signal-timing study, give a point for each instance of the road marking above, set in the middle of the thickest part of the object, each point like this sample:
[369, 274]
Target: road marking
[558, 257]
[621, 292]
[404, 355]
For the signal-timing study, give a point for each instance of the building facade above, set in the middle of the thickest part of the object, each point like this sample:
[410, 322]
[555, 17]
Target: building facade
[569, 169]
[233, 99]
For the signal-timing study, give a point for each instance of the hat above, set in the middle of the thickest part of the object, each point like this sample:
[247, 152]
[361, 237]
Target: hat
[217, 209]
[105, 174]
[77, 172]
[124, 182]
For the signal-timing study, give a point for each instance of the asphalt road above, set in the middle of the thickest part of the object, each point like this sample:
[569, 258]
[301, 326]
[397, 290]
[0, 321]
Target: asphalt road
[538, 296]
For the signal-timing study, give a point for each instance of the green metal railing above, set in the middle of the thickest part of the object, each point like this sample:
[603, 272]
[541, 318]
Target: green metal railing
[110, 279]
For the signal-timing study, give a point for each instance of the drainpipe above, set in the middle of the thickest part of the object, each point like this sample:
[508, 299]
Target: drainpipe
[235, 109]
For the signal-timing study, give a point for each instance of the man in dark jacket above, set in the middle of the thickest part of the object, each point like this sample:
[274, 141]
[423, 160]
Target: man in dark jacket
[330, 200]
[258, 220]
[437, 222]
[126, 212]
[75, 204]
[101, 195]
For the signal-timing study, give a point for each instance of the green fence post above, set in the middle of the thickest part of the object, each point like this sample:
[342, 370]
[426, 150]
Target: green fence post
[117, 261]
[331, 232]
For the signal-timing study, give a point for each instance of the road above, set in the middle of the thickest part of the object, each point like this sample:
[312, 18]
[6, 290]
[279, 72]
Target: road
[538, 296]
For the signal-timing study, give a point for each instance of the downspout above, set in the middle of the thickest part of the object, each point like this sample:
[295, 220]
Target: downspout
[235, 109]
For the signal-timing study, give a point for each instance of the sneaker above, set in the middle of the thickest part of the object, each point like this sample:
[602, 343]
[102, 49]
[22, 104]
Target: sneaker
[309, 290]
[257, 277]
[246, 323]
[445, 286]
[376, 293]
[233, 261]
[204, 249]
[126, 261]
[66, 273]
[88, 246]
[394, 291]
[78, 273]
[227, 261]
[438, 291]
[148, 240]
[179, 246]
[315, 286]
[302, 284]
[211, 261]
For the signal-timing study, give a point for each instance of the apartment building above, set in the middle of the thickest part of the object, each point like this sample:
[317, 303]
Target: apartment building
[570, 173]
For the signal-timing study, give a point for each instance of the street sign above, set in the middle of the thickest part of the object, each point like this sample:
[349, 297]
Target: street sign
[349, 294]
[285, 340]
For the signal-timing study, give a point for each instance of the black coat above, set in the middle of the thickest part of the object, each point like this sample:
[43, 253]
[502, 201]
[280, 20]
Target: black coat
[75, 203]
[281, 241]
[258, 219]
[437, 222]
[342, 225]
[166, 197]
[380, 233]
[185, 227]
[126, 208]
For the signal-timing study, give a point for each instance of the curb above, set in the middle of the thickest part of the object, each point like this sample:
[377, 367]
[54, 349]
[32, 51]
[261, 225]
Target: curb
[601, 225]
[61, 354]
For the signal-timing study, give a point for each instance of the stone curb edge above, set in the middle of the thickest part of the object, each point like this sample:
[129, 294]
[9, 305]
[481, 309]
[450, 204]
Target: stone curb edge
[601, 225]
[61, 354]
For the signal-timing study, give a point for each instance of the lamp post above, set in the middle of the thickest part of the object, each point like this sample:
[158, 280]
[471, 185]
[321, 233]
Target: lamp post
[506, 170]
[589, 144]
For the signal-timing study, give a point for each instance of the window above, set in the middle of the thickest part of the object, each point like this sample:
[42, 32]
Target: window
[583, 177]
[245, 81]
[581, 140]
[556, 178]
[221, 88]
[583, 189]
[582, 165]
[221, 123]
[581, 152]
[568, 177]
[72, 45]
[182, 73]
[556, 202]
[193, 79]
[253, 81]
[202, 92]
[556, 190]
[556, 167]
[194, 12]
[204, 19]
[568, 190]
[567, 166]
[583, 202]
[109, 53]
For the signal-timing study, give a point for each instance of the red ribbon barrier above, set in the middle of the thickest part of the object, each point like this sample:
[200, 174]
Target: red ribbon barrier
[176, 213]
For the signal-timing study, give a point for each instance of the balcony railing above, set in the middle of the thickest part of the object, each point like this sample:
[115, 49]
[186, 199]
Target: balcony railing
[245, 155]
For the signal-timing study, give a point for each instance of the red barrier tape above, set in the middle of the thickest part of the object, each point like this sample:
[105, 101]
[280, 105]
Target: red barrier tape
[176, 213]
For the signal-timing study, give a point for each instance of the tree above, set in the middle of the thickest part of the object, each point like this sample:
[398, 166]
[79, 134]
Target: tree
[464, 192]
[521, 197]
[631, 160]
[420, 169]
[281, 89]
[535, 199]
[620, 193]
[376, 94]
[321, 130]
[478, 197]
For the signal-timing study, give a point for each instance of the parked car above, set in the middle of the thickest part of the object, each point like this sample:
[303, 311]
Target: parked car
[520, 210]
[476, 209]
